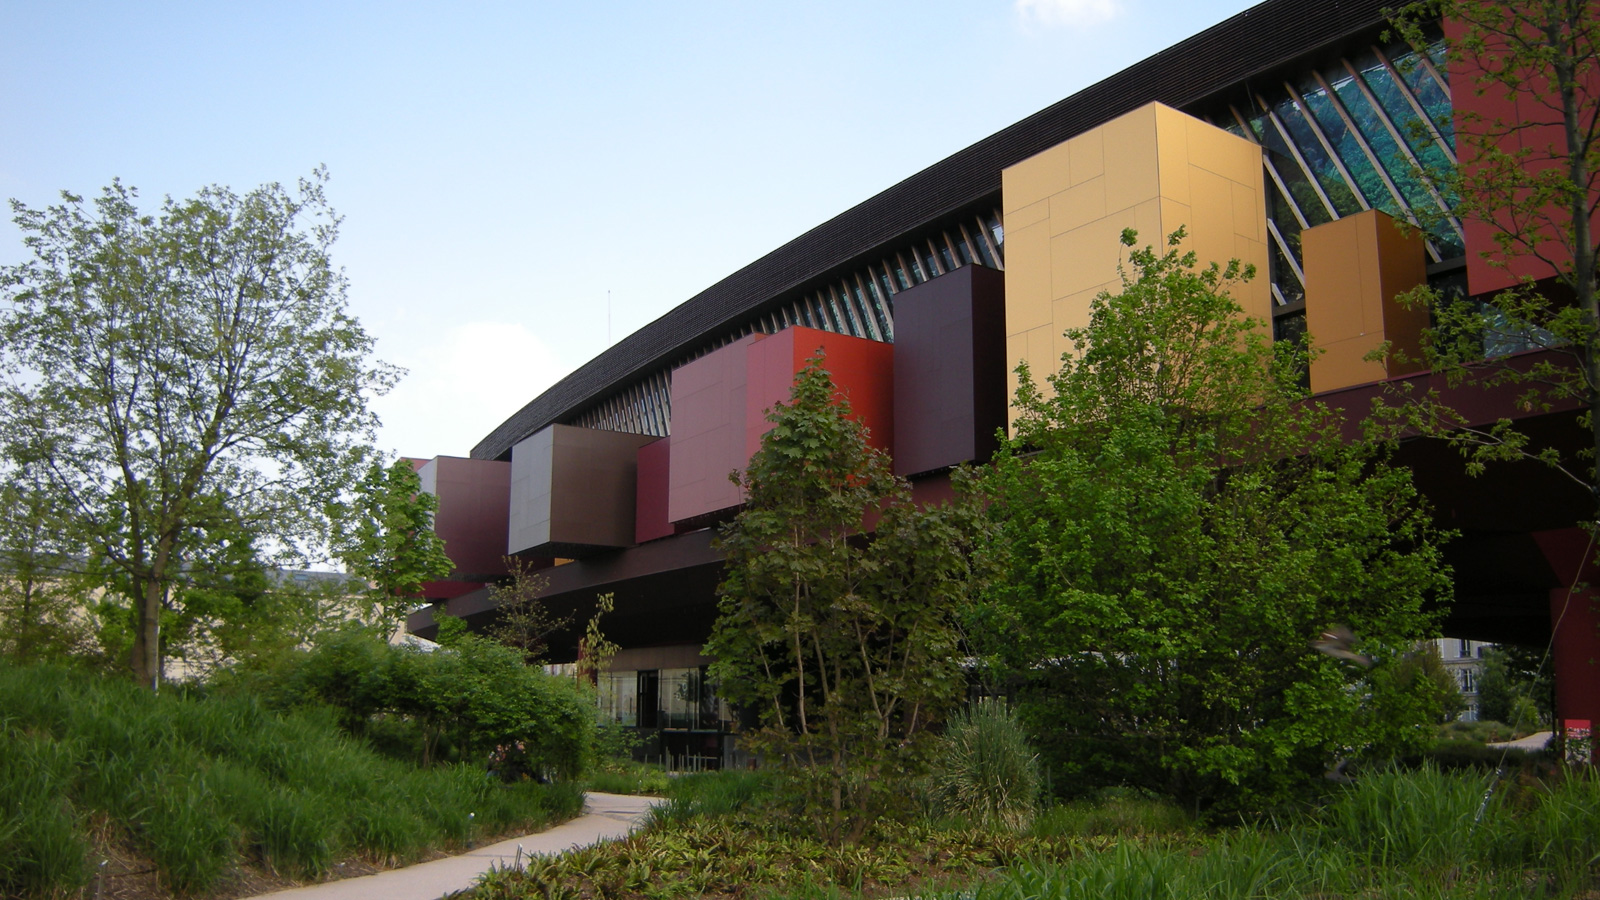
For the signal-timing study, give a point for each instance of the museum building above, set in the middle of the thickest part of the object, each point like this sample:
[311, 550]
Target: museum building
[1288, 136]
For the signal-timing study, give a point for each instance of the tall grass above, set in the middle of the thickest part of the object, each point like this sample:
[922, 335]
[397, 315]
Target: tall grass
[199, 785]
[1115, 813]
[1415, 833]
[984, 769]
[708, 794]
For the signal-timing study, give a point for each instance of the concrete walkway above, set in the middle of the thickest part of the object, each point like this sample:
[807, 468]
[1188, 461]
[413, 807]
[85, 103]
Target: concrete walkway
[1535, 741]
[605, 817]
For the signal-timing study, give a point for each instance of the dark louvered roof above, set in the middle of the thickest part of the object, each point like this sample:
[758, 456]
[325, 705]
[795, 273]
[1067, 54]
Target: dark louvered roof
[1258, 40]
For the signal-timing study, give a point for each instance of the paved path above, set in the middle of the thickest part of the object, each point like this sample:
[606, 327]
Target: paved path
[606, 817]
[1535, 741]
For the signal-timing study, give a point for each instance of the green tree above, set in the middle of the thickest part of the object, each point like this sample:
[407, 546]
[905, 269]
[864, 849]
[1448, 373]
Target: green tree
[1531, 178]
[845, 647]
[44, 611]
[522, 621]
[1171, 526]
[1513, 679]
[385, 536]
[1423, 673]
[175, 374]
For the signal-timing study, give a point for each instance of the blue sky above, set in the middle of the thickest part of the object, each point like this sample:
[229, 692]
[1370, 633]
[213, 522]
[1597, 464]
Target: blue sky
[500, 167]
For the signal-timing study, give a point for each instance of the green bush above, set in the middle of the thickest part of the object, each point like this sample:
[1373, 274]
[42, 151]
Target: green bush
[984, 769]
[630, 778]
[710, 794]
[462, 702]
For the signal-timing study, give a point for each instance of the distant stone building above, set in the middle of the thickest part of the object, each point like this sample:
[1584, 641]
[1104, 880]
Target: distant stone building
[1464, 660]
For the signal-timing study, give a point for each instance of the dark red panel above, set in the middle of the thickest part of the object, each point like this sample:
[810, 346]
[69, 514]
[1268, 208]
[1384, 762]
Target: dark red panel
[1538, 130]
[949, 370]
[650, 519]
[862, 372]
[1574, 622]
[474, 506]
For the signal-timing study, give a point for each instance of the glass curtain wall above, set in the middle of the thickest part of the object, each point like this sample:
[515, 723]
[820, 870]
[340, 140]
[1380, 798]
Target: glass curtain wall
[1353, 134]
[674, 699]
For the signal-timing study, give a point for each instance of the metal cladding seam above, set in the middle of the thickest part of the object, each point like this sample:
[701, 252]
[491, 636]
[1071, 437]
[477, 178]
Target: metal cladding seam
[1254, 42]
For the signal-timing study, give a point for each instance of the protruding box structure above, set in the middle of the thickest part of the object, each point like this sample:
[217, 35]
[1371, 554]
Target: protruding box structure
[719, 405]
[474, 500]
[949, 370]
[650, 505]
[862, 371]
[708, 424]
[573, 491]
[1154, 169]
[1355, 267]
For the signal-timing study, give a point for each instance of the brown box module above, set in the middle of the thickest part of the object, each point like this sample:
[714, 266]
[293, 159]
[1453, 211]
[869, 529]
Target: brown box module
[573, 491]
[949, 370]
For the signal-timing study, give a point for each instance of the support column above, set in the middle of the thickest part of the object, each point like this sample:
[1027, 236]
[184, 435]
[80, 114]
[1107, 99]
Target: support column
[1575, 625]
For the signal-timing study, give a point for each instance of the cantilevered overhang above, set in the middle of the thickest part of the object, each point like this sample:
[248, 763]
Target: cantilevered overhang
[665, 593]
[1185, 76]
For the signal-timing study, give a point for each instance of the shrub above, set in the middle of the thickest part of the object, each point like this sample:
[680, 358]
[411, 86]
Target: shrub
[984, 768]
[460, 703]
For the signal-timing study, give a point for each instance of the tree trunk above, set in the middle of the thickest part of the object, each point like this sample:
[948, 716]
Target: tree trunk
[147, 626]
[147, 637]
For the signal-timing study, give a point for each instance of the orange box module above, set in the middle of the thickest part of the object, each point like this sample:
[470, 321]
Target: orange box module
[862, 372]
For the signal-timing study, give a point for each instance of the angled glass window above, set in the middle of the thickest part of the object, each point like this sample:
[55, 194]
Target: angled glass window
[982, 247]
[1395, 161]
[1311, 150]
[963, 250]
[1345, 143]
[1434, 97]
[1305, 196]
[1419, 139]
[901, 278]
[835, 318]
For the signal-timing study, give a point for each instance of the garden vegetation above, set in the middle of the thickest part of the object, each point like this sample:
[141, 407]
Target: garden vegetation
[198, 785]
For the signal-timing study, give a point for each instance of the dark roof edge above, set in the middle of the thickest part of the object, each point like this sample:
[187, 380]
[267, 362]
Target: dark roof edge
[1250, 43]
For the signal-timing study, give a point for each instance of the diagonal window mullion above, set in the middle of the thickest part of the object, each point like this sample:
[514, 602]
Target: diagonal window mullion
[1337, 103]
[1404, 90]
[867, 294]
[1327, 146]
[1300, 160]
[1283, 247]
[1402, 146]
[1272, 169]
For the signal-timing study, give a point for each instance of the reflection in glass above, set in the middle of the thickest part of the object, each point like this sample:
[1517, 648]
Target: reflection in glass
[619, 698]
[1355, 160]
[1311, 150]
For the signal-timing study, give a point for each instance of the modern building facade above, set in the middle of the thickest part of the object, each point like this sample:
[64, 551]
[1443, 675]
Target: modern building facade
[1288, 137]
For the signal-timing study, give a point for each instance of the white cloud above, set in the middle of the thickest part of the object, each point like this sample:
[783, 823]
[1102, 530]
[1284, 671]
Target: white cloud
[1068, 13]
[462, 386]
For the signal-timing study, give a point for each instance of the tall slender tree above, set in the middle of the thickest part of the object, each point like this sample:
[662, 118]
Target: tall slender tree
[844, 646]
